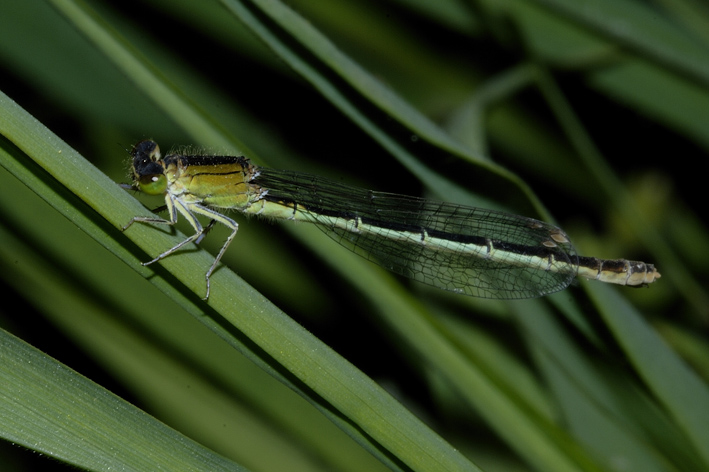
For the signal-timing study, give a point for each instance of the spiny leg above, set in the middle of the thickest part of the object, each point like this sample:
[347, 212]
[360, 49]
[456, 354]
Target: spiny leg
[206, 230]
[216, 217]
[199, 234]
[172, 206]
[146, 219]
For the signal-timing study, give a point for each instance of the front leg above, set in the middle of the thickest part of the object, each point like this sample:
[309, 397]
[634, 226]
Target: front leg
[169, 206]
[172, 207]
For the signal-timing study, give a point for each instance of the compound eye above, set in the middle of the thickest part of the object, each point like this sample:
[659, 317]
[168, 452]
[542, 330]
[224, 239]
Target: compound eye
[146, 149]
[154, 184]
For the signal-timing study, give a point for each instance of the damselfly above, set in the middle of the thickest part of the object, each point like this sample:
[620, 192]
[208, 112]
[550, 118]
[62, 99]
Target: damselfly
[472, 251]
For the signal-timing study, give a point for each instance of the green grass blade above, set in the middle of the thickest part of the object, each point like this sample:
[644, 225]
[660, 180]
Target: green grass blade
[660, 368]
[639, 28]
[53, 410]
[368, 103]
[322, 370]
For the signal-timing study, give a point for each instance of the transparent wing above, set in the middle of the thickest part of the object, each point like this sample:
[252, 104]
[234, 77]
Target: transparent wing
[439, 244]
